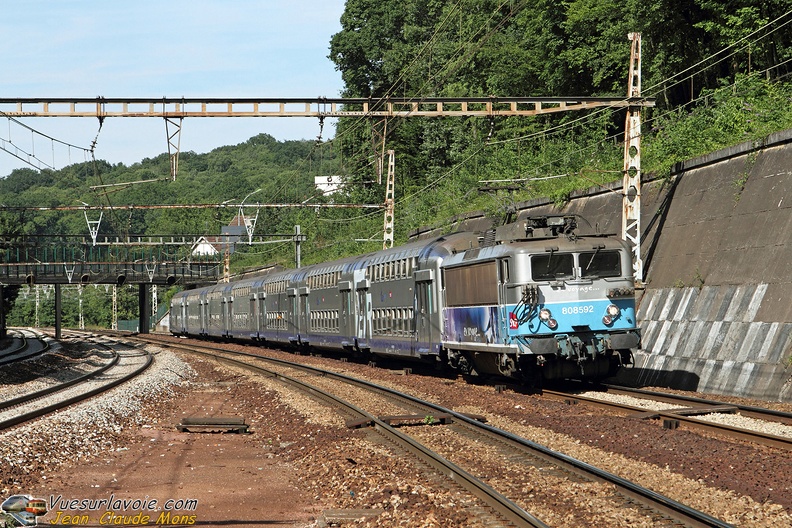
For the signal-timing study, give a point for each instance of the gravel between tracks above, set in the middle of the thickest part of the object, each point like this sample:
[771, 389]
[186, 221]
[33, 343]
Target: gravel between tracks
[735, 481]
[301, 447]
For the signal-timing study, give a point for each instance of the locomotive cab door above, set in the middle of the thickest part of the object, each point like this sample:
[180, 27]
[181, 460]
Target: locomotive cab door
[503, 280]
[424, 309]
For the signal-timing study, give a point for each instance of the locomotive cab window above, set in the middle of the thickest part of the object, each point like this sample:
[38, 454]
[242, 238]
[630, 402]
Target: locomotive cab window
[600, 264]
[552, 266]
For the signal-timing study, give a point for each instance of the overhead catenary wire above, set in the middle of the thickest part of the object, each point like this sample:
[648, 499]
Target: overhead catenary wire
[30, 158]
[452, 67]
[659, 86]
[457, 62]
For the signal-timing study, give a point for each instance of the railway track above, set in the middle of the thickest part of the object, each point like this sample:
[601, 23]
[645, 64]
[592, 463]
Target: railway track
[520, 454]
[121, 367]
[26, 345]
[680, 410]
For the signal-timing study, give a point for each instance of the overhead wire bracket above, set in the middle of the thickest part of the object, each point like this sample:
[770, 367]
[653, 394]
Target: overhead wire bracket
[151, 270]
[93, 225]
[69, 271]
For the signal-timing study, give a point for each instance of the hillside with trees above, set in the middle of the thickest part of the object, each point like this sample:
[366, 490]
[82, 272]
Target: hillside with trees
[719, 73]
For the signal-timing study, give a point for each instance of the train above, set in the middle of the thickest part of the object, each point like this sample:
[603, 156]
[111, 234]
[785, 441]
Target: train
[534, 303]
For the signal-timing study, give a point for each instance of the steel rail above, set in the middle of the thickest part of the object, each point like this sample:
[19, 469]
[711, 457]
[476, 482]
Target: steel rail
[494, 500]
[7, 360]
[759, 437]
[751, 411]
[23, 339]
[653, 500]
[6, 424]
[25, 398]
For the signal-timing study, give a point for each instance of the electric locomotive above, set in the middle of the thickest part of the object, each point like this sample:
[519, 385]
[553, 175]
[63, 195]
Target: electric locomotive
[545, 304]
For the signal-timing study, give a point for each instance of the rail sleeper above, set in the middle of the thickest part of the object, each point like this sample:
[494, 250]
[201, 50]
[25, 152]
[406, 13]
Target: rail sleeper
[230, 424]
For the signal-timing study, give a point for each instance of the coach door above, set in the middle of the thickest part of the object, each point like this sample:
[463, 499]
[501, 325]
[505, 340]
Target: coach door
[203, 318]
[183, 303]
[347, 315]
[424, 310]
[293, 312]
[261, 312]
[252, 326]
[363, 309]
[305, 313]
[227, 310]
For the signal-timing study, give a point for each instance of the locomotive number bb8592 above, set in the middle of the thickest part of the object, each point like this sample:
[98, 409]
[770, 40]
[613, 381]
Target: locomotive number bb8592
[547, 304]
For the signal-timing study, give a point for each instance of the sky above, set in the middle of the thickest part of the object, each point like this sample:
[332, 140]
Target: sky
[165, 48]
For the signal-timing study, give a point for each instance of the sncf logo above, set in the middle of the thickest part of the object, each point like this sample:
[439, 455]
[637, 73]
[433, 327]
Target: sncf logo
[513, 323]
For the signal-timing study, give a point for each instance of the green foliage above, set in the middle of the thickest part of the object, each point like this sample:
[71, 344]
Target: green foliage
[748, 110]
[96, 306]
[706, 100]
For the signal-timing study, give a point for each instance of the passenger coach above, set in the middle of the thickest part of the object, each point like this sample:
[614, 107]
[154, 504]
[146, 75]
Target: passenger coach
[551, 304]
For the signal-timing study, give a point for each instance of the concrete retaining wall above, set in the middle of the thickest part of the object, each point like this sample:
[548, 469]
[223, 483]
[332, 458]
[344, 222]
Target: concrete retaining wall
[717, 311]
[716, 314]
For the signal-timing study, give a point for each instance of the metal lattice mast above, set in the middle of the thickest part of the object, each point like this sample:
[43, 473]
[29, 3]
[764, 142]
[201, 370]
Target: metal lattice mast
[387, 230]
[631, 214]
[114, 321]
[38, 304]
[154, 306]
[80, 304]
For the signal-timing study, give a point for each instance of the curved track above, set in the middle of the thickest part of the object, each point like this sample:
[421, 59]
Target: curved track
[50, 399]
[666, 510]
[29, 344]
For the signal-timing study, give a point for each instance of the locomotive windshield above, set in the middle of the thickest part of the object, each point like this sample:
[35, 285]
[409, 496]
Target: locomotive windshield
[552, 266]
[599, 264]
[595, 264]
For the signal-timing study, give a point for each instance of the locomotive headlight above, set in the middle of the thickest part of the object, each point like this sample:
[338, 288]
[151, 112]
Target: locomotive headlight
[611, 313]
[547, 317]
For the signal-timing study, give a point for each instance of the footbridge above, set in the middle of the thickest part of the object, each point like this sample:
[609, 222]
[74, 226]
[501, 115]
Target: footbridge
[145, 261]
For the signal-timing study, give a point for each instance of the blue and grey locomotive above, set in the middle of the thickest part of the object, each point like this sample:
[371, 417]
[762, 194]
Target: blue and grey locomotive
[544, 304]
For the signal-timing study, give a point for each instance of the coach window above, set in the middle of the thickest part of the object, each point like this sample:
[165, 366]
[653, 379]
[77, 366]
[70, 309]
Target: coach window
[600, 264]
[552, 266]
